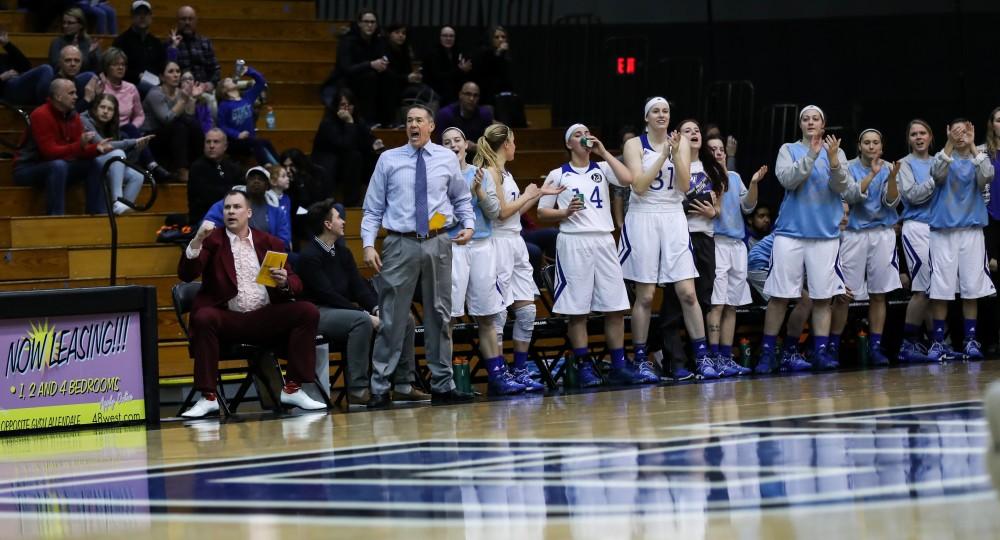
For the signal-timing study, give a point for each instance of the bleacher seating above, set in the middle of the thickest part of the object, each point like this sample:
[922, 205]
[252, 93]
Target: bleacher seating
[295, 52]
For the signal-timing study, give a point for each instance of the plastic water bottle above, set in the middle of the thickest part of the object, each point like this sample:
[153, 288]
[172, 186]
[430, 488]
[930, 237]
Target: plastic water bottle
[864, 355]
[745, 352]
[269, 119]
[461, 375]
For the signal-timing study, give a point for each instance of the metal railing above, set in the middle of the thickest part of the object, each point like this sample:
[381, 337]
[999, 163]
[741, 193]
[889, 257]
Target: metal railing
[112, 218]
[23, 116]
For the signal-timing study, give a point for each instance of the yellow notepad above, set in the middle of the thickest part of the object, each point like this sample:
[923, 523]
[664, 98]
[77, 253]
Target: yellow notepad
[437, 221]
[272, 259]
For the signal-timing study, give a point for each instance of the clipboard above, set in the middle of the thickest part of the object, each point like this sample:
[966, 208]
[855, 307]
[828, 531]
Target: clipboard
[272, 259]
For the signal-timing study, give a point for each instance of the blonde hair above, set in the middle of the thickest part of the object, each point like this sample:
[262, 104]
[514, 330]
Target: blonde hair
[992, 137]
[77, 14]
[487, 146]
[274, 169]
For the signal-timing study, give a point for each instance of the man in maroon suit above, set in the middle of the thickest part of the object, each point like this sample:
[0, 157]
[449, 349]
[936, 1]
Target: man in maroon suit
[232, 306]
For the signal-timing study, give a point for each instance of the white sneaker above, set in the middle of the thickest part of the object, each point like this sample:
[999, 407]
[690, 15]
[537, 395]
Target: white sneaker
[201, 408]
[301, 400]
[119, 208]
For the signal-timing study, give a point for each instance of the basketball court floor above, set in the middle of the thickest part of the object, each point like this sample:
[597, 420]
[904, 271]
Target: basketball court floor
[895, 453]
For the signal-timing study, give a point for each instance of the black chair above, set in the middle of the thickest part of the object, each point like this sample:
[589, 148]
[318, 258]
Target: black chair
[262, 364]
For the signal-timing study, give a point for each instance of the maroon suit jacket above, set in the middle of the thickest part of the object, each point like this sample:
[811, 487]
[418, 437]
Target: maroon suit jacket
[217, 270]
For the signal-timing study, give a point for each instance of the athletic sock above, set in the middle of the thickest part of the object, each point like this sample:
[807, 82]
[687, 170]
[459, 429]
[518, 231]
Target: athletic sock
[582, 354]
[714, 349]
[911, 332]
[726, 351]
[819, 343]
[768, 343]
[970, 329]
[520, 360]
[938, 331]
[875, 341]
[617, 358]
[640, 350]
[791, 346]
[835, 341]
[700, 348]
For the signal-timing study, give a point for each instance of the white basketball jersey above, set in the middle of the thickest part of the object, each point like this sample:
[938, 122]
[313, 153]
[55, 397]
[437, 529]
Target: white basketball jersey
[509, 193]
[661, 195]
[590, 182]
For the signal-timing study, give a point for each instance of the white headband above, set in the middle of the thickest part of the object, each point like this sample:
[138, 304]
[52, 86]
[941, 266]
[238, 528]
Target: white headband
[808, 108]
[456, 129]
[655, 101]
[873, 130]
[572, 129]
[259, 169]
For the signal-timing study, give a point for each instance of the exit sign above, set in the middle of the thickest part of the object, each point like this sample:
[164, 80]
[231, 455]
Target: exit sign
[625, 65]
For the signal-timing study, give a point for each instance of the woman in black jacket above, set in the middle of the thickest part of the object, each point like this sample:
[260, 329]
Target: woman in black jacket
[445, 68]
[345, 147]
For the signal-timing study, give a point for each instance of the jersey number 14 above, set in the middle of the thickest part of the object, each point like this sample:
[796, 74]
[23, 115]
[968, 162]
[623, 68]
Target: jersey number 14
[595, 196]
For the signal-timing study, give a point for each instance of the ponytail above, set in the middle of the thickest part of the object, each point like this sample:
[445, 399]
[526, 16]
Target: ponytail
[487, 146]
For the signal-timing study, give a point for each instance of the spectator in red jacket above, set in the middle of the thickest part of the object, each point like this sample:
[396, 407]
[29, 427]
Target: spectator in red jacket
[56, 149]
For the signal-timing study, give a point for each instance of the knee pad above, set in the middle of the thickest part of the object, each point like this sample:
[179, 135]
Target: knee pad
[524, 323]
[499, 321]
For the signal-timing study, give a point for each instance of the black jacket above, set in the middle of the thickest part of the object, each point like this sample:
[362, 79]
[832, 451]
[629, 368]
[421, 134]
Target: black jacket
[333, 280]
[208, 182]
[144, 53]
[14, 59]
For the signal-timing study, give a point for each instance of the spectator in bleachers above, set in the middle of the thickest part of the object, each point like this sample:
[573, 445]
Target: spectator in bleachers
[348, 307]
[345, 147]
[445, 68]
[20, 83]
[758, 224]
[145, 52]
[195, 53]
[265, 217]
[235, 118]
[362, 63]
[102, 118]
[88, 85]
[130, 113]
[212, 175]
[307, 180]
[493, 67]
[43, 13]
[403, 78]
[74, 29]
[277, 193]
[465, 114]
[103, 13]
[170, 115]
[56, 150]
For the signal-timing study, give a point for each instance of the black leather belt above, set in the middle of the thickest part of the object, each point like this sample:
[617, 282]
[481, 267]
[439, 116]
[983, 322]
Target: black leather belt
[430, 234]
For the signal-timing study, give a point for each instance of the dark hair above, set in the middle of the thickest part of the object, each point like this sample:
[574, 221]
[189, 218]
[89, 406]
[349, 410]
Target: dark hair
[318, 213]
[716, 173]
[421, 106]
[395, 26]
[343, 93]
[364, 10]
[111, 127]
[959, 120]
[627, 128]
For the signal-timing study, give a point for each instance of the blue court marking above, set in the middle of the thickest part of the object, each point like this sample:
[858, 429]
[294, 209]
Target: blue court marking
[858, 457]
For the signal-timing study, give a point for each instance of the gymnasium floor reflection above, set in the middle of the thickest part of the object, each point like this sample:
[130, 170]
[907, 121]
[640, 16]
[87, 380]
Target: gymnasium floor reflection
[870, 454]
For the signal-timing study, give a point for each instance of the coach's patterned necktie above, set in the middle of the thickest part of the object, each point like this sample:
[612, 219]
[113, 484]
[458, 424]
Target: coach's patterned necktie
[420, 190]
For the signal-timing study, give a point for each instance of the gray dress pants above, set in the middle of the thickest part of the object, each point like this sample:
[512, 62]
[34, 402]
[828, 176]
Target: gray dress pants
[405, 261]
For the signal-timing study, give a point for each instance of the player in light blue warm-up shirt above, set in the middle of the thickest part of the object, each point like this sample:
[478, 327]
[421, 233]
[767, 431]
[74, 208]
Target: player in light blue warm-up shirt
[868, 244]
[958, 248]
[813, 172]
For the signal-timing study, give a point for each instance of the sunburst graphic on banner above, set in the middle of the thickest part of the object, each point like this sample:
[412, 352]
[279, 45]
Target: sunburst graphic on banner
[42, 337]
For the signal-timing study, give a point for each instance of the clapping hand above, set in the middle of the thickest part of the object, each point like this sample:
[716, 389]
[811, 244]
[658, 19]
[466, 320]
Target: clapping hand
[530, 191]
[87, 137]
[549, 189]
[759, 175]
[4, 38]
[175, 38]
[731, 146]
[104, 146]
[832, 147]
[877, 164]
[464, 64]
[345, 116]
[379, 64]
[378, 145]
[8, 75]
[816, 142]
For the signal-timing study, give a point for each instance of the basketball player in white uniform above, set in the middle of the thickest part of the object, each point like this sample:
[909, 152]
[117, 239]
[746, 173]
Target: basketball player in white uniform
[514, 272]
[473, 269]
[588, 274]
